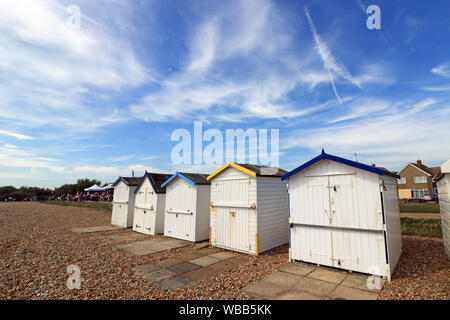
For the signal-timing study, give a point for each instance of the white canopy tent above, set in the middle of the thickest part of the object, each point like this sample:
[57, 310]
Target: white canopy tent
[95, 188]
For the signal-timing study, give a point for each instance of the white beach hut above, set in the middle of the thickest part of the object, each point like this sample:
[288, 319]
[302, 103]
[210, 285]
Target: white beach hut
[344, 214]
[443, 186]
[150, 204]
[187, 206]
[249, 208]
[123, 201]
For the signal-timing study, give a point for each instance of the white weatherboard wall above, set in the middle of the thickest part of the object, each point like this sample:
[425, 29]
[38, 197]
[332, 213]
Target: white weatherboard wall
[443, 185]
[336, 214]
[123, 205]
[187, 211]
[243, 207]
[149, 210]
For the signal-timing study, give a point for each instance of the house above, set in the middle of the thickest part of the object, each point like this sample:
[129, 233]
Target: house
[344, 214]
[443, 184]
[187, 206]
[249, 208]
[416, 180]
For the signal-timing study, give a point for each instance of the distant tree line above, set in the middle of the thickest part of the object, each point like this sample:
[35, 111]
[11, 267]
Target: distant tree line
[28, 193]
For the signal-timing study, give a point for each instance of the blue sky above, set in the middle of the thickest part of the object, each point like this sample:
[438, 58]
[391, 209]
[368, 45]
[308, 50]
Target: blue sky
[103, 100]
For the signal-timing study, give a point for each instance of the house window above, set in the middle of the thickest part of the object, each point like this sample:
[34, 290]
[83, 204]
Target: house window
[402, 180]
[420, 179]
[418, 193]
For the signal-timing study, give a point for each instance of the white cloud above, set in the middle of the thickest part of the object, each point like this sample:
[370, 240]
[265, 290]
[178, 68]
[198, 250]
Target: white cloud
[16, 135]
[329, 61]
[62, 68]
[389, 138]
[442, 70]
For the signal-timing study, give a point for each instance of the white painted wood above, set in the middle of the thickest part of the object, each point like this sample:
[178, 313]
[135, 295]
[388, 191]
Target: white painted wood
[244, 206]
[336, 213]
[123, 205]
[272, 213]
[187, 210]
[443, 185]
[148, 210]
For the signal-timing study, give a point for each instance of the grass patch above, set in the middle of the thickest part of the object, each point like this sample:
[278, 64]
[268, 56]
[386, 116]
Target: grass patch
[90, 205]
[422, 227]
[419, 207]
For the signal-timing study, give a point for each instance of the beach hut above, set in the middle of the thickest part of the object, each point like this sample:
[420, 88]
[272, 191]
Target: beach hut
[344, 214]
[249, 208]
[150, 201]
[187, 206]
[123, 201]
[443, 184]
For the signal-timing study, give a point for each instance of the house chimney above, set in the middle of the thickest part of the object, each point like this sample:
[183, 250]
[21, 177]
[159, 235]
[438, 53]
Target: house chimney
[419, 162]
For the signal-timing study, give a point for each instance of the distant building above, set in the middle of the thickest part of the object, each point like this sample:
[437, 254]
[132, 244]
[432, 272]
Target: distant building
[416, 180]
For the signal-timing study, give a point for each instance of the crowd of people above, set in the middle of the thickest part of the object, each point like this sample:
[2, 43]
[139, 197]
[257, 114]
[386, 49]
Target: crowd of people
[87, 196]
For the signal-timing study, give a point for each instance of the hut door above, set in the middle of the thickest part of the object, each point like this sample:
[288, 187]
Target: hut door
[344, 214]
[149, 218]
[232, 214]
[120, 206]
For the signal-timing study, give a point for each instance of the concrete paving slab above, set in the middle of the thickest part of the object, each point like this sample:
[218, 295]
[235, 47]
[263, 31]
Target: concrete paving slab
[96, 229]
[282, 279]
[145, 269]
[327, 274]
[359, 281]
[264, 290]
[159, 275]
[174, 283]
[183, 267]
[347, 293]
[122, 237]
[208, 251]
[299, 268]
[223, 266]
[146, 247]
[222, 255]
[200, 245]
[168, 262]
[200, 274]
[313, 286]
[297, 295]
[238, 260]
[191, 256]
[204, 261]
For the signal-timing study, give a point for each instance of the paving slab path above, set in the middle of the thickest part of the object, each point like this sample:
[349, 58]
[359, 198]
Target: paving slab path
[123, 237]
[181, 271]
[303, 281]
[96, 229]
[145, 247]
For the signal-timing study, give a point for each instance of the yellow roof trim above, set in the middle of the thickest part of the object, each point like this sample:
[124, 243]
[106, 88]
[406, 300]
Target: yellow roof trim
[234, 165]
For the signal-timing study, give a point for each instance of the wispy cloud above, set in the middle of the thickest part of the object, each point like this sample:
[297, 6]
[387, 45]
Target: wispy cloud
[385, 137]
[16, 135]
[61, 67]
[442, 70]
[330, 63]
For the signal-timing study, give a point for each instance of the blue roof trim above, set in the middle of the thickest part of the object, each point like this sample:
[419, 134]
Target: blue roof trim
[146, 175]
[117, 181]
[177, 175]
[323, 156]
